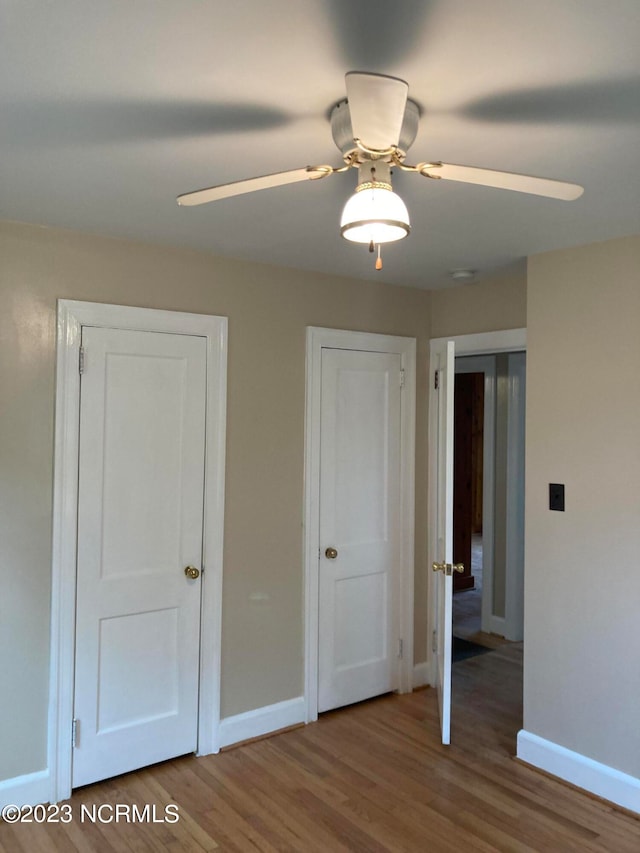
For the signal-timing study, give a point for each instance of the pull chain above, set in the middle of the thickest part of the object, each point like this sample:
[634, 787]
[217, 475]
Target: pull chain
[379, 258]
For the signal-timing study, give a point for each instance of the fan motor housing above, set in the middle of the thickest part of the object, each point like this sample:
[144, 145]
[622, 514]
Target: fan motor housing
[342, 131]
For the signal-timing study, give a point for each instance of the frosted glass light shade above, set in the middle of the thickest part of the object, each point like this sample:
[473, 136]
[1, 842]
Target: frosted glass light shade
[375, 215]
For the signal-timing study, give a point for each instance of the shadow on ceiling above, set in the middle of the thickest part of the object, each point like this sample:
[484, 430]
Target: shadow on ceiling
[373, 35]
[570, 103]
[96, 122]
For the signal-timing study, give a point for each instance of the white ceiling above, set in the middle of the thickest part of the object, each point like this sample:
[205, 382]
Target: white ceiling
[110, 109]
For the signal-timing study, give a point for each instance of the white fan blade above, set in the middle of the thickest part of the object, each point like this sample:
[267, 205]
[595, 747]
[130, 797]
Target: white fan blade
[505, 181]
[376, 105]
[265, 182]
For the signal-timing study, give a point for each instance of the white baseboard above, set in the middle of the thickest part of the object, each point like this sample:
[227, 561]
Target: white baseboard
[261, 721]
[497, 625]
[598, 779]
[28, 790]
[421, 674]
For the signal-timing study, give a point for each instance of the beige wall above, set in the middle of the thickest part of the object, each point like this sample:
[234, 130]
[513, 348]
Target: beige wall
[582, 575]
[491, 305]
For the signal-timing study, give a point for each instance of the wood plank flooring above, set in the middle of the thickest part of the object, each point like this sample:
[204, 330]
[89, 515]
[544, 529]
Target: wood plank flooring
[371, 778]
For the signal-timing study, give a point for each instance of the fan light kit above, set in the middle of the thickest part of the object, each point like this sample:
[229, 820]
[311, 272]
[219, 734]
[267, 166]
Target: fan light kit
[374, 213]
[373, 128]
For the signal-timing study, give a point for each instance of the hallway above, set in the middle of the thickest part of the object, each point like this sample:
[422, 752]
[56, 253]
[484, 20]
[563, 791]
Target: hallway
[467, 605]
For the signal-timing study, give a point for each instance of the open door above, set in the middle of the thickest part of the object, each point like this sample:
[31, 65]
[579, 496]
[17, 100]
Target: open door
[441, 521]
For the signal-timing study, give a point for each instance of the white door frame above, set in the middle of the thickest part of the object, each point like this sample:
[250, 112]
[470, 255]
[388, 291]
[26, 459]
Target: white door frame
[514, 581]
[317, 340]
[483, 343]
[72, 315]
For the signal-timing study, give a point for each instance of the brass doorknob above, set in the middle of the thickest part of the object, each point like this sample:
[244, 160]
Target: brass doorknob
[331, 553]
[448, 568]
[192, 572]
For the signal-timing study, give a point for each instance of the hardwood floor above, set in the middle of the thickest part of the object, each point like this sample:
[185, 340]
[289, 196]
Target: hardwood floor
[372, 777]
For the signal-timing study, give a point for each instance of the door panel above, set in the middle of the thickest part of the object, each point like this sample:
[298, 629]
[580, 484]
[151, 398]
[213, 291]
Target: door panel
[441, 518]
[140, 516]
[359, 517]
[153, 635]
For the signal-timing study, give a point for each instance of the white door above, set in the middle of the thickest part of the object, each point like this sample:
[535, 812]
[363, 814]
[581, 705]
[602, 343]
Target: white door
[441, 519]
[359, 560]
[140, 517]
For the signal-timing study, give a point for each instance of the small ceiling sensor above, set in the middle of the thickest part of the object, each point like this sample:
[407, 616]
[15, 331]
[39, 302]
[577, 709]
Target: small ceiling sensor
[463, 275]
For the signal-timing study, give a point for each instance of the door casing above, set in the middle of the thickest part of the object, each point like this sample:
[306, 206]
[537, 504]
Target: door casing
[317, 340]
[72, 315]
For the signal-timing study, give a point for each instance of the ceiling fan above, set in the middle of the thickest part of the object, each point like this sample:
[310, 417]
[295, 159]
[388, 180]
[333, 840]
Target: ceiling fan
[373, 128]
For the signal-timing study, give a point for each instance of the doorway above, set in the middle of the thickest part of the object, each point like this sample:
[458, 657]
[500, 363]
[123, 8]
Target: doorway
[359, 511]
[138, 340]
[489, 498]
[441, 465]
[468, 505]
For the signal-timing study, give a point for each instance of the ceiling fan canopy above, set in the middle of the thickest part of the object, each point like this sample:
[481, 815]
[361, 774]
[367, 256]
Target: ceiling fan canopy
[342, 128]
[373, 128]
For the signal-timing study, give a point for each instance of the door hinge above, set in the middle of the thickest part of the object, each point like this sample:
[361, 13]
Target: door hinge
[81, 360]
[436, 380]
[75, 731]
[400, 648]
[402, 378]
[434, 642]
